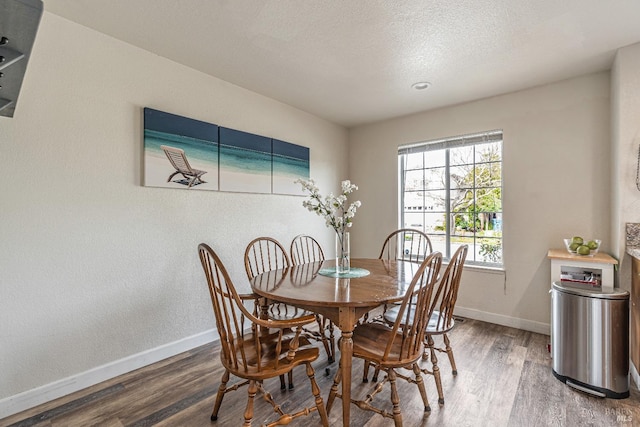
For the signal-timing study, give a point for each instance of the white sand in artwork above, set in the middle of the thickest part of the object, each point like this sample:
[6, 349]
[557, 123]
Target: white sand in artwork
[244, 182]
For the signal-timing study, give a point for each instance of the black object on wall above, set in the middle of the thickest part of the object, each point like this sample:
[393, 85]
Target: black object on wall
[19, 21]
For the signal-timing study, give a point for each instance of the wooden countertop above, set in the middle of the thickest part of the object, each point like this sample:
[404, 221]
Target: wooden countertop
[600, 257]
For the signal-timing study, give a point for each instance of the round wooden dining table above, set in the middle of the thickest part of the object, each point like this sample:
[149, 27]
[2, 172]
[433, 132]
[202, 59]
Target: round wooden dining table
[342, 300]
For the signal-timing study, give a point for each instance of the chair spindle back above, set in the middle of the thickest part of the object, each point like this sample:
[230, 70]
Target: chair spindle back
[305, 249]
[413, 314]
[233, 320]
[264, 254]
[446, 295]
[407, 245]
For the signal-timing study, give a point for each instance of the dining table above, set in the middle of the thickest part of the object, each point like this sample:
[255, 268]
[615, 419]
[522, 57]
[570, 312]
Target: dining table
[342, 298]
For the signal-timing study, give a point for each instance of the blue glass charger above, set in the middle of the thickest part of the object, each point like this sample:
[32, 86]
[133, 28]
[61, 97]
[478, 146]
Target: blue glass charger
[352, 274]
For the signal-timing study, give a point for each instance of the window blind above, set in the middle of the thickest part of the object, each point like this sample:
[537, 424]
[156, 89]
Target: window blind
[456, 141]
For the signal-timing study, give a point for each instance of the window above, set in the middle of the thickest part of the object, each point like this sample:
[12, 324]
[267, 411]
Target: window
[451, 189]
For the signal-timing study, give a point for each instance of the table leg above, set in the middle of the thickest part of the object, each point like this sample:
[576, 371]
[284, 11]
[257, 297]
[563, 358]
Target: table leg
[346, 355]
[347, 317]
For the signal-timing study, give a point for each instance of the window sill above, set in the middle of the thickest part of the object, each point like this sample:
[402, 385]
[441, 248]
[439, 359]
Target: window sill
[482, 269]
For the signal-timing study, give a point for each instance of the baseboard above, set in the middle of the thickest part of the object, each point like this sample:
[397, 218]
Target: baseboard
[499, 319]
[37, 396]
[633, 370]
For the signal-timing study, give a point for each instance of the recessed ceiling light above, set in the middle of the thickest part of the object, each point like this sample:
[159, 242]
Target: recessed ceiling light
[421, 85]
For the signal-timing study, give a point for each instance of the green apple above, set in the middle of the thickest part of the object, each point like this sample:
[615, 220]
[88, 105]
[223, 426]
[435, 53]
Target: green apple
[574, 246]
[577, 239]
[592, 244]
[583, 250]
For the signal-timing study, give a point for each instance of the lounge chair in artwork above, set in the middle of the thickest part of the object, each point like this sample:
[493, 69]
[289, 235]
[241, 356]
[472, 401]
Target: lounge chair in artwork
[179, 161]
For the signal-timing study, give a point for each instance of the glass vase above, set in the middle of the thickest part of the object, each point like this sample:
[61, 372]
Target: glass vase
[343, 253]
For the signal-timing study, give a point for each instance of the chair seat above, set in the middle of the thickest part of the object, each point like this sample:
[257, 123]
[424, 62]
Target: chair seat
[269, 355]
[370, 342]
[434, 327]
[281, 311]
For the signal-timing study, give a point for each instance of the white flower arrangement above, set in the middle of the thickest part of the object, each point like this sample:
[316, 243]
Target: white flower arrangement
[333, 208]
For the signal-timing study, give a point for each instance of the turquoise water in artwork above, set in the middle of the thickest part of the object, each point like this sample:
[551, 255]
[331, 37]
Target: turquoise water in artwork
[290, 161]
[284, 165]
[231, 158]
[289, 166]
[194, 148]
[242, 160]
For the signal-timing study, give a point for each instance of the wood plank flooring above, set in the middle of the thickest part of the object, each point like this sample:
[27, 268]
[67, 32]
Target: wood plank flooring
[504, 379]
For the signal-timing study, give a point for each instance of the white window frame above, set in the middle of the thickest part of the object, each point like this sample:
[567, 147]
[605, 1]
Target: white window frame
[473, 258]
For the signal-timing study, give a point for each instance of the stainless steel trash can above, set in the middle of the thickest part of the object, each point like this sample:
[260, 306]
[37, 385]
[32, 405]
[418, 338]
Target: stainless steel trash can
[590, 339]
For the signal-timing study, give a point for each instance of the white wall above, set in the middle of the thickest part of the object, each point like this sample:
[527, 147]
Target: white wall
[95, 268]
[556, 184]
[625, 76]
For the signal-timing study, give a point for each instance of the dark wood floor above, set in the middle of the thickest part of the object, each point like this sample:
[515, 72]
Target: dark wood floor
[504, 379]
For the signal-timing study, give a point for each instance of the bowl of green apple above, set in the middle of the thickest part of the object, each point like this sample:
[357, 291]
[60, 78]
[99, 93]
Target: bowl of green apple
[579, 246]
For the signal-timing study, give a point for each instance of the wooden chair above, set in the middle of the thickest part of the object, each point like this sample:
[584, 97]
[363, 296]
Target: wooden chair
[179, 161]
[265, 254]
[400, 345]
[304, 250]
[441, 318]
[256, 349]
[406, 244]
[442, 321]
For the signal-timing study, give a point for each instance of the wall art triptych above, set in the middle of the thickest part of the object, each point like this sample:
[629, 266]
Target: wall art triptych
[184, 153]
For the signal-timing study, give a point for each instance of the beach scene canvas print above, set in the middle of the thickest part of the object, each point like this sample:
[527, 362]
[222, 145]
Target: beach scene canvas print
[189, 154]
[290, 162]
[245, 162]
[179, 152]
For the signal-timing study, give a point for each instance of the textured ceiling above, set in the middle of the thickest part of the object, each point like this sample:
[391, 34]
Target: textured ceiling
[354, 61]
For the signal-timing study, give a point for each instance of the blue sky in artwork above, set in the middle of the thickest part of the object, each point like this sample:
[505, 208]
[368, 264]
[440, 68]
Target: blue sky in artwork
[287, 149]
[245, 140]
[178, 125]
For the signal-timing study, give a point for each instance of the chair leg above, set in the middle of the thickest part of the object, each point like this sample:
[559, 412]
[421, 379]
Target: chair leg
[365, 376]
[365, 373]
[395, 399]
[283, 384]
[248, 412]
[425, 353]
[375, 374]
[454, 370]
[332, 342]
[435, 369]
[323, 336]
[316, 393]
[221, 392]
[291, 386]
[334, 388]
[420, 383]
